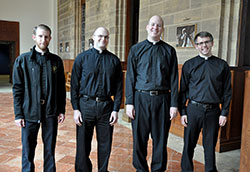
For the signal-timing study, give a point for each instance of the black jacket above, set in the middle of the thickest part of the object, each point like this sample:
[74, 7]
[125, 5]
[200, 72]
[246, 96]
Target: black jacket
[27, 87]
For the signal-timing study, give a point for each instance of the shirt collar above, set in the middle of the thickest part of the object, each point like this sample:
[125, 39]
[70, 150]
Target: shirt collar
[41, 51]
[153, 42]
[99, 51]
[205, 57]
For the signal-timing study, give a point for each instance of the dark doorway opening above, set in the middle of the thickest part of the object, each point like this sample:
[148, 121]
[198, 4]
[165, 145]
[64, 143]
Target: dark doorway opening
[243, 59]
[5, 58]
[9, 47]
[132, 25]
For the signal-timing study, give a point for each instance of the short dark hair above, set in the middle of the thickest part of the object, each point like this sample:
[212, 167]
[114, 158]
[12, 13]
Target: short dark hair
[42, 26]
[203, 34]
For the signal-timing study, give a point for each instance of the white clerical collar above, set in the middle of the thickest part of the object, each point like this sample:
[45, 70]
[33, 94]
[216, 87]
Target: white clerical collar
[153, 42]
[205, 57]
[99, 50]
[40, 51]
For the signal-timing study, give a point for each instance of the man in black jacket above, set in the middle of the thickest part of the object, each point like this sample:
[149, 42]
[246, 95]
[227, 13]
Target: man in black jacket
[39, 98]
[96, 76]
[205, 83]
[151, 95]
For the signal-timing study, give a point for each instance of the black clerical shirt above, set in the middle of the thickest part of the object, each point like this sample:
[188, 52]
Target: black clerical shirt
[42, 61]
[96, 74]
[205, 81]
[152, 67]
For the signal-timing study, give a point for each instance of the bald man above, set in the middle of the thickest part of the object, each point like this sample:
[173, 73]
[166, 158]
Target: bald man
[151, 95]
[96, 76]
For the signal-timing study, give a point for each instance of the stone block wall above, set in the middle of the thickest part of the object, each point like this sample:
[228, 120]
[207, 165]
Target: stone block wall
[108, 13]
[219, 17]
[66, 29]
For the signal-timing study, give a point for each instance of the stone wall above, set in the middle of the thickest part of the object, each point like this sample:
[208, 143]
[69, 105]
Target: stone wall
[219, 17]
[108, 13]
[230, 14]
[66, 29]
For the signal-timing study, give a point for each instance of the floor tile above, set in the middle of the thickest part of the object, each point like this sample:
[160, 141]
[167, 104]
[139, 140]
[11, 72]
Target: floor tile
[120, 159]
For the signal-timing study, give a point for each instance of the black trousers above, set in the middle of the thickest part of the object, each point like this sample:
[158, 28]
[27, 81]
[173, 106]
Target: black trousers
[207, 120]
[94, 114]
[151, 117]
[29, 142]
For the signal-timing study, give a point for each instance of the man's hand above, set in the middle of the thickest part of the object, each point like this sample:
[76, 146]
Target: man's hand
[222, 120]
[173, 112]
[113, 118]
[78, 117]
[61, 118]
[184, 120]
[20, 122]
[130, 111]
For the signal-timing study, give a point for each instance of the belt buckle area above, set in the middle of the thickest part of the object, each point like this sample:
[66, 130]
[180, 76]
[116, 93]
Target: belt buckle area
[207, 106]
[42, 101]
[97, 99]
[153, 93]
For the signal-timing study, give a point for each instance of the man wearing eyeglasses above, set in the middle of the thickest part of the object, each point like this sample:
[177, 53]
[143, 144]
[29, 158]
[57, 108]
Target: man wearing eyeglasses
[96, 76]
[205, 84]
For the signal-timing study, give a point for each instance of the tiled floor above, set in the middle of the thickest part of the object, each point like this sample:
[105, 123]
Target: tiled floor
[120, 160]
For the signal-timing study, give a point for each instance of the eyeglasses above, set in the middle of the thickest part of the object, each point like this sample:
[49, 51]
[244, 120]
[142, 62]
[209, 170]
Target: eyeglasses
[155, 24]
[205, 42]
[103, 36]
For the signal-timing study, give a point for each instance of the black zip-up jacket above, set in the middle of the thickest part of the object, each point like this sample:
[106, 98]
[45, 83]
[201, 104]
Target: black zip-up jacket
[27, 87]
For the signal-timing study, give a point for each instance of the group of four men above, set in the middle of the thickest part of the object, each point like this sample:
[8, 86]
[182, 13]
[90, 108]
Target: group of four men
[151, 98]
